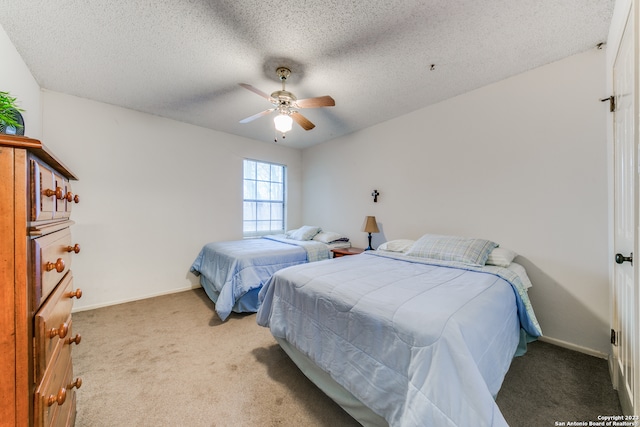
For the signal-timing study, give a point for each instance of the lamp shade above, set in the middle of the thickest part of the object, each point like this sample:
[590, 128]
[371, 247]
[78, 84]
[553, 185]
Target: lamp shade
[283, 122]
[370, 225]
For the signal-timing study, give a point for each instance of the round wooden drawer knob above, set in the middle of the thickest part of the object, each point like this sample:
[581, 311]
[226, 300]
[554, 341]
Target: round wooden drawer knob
[77, 384]
[76, 294]
[75, 248]
[72, 197]
[58, 265]
[75, 340]
[59, 398]
[61, 332]
[57, 192]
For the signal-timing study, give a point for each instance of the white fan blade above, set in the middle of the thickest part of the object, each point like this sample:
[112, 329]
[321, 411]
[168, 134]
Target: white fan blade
[255, 116]
[257, 91]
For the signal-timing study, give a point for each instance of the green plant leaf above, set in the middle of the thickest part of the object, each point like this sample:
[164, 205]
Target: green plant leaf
[8, 108]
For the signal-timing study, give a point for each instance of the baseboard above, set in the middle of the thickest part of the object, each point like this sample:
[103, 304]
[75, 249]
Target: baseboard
[172, 291]
[574, 347]
[612, 372]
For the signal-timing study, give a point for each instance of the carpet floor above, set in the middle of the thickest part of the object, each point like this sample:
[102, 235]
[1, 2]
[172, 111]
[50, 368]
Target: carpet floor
[170, 361]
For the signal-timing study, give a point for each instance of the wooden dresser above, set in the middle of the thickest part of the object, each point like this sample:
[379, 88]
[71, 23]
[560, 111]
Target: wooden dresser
[37, 386]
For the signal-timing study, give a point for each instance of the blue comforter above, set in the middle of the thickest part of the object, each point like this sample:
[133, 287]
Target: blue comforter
[420, 344]
[231, 269]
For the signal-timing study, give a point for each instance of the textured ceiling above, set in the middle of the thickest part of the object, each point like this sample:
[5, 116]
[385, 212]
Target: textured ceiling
[184, 59]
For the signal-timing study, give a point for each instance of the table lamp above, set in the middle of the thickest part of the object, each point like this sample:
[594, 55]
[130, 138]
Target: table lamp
[370, 226]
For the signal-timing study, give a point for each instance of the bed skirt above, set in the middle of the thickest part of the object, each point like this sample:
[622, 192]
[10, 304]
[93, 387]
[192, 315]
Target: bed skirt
[248, 303]
[335, 391]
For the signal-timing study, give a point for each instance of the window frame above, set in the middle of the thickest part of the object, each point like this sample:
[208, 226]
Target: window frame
[258, 216]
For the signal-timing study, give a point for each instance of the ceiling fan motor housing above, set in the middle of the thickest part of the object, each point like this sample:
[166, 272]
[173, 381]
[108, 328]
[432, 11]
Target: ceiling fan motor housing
[283, 96]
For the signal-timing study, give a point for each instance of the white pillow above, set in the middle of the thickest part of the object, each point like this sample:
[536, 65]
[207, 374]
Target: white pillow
[520, 271]
[306, 232]
[330, 236]
[399, 245]
[501, 257]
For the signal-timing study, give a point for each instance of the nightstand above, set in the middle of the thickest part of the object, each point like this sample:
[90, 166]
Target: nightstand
[337, 253]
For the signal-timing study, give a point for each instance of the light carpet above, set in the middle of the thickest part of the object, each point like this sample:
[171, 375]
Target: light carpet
[170, 361]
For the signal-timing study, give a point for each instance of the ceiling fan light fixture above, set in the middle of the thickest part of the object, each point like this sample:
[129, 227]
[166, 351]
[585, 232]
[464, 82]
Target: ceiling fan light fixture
[283, 122]
[286, 105]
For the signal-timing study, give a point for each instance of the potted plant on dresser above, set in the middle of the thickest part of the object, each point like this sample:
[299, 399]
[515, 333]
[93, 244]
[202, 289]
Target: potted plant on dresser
[11, 122]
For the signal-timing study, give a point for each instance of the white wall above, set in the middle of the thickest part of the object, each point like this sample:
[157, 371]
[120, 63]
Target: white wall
[153, 191]
[16, 79]
[522, 162]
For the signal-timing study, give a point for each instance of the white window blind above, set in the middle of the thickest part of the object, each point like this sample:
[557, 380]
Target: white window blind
[264, 198]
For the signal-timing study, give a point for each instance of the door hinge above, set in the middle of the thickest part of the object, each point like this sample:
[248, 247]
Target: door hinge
[612, 103]
[614, 338]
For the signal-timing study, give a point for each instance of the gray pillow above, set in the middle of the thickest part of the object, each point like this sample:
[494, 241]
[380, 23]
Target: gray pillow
[453, 248]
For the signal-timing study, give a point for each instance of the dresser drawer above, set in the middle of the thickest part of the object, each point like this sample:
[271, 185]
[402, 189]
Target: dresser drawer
[51, 195]
[52, 255]
[66, 415]
[53, 327]
[69, 199]
[55, 395]
[61, 185]
[43, 191]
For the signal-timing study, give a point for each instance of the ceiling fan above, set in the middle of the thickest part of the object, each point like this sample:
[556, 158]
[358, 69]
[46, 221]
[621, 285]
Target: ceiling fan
[286, 104]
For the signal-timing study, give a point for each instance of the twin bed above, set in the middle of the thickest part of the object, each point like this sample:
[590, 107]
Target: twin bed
[420, 334]
[233, 272]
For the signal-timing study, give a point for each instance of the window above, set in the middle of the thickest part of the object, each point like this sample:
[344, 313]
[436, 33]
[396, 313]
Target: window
[264, 195]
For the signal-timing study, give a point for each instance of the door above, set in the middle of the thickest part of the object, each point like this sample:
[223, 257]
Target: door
[625, 292]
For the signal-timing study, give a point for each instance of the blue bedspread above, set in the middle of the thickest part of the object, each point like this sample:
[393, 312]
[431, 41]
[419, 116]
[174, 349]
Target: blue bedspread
[231, 269]
[420, 344]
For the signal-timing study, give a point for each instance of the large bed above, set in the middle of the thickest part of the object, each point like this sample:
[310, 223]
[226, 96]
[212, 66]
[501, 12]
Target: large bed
[405, 338]
[232, 272]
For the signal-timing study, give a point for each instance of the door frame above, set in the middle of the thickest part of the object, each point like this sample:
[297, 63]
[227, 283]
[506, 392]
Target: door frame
[618, 23]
